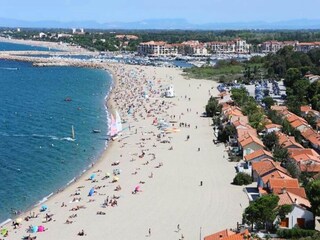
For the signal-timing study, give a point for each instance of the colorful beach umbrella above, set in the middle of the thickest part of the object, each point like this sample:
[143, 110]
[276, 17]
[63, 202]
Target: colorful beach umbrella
[115, 179]
[91, 192]
[137, 188]
[43, 208]
[4, 231]
[92, 176]
[34, 229]
[41, 229]
[19, 220]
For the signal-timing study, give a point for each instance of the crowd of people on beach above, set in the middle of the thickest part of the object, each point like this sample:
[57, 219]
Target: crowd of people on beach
[137, 98]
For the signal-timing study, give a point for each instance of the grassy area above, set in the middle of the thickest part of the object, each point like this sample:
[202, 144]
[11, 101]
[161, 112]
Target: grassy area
[225, 71]
[215, 73]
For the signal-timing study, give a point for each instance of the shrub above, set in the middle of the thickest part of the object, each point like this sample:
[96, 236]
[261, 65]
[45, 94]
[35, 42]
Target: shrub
[295, 233]
[242, 179]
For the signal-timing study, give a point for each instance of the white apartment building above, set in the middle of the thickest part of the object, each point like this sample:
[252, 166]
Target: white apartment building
[235, 46]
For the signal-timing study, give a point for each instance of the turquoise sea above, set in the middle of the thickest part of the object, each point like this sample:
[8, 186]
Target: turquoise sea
[37, 154]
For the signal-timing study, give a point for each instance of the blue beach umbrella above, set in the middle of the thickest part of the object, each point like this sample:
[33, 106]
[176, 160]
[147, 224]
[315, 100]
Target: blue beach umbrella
[91, 192]
[92, 176]
[43, 208]
[34, 229]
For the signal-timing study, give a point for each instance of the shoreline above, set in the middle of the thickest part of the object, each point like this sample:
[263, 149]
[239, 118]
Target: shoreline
[172, 195]
[98, 158]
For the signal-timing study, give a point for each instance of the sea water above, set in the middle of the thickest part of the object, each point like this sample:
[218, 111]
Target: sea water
[37, 154]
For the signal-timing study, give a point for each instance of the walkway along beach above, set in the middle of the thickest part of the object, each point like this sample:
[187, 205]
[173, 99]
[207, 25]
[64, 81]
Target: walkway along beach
[162, 179]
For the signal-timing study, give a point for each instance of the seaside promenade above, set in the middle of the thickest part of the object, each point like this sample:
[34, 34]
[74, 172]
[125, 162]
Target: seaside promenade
[166, 169]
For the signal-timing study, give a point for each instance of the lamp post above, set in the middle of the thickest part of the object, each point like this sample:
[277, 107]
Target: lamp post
[200, 233]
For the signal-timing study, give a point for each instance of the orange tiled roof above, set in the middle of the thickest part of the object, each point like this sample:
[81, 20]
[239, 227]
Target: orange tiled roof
[275, 174]
[297, 191]
[304, 154]
[308, 132]
[314, 139]
[313, 167]
[283, 183]
[242, 133]
[305, 108]
[267, 165]
[258, 153]
[220, 235]
[228, 235]
[294, 117]
[272, 125]
[291, 198]
[278, 108]
[297, 123]
[251, 139]
[287, 141]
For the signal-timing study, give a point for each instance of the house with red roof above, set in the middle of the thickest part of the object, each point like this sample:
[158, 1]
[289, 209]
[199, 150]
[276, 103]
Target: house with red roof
[249, 144]
[280, 185]
[269, 128]
[266, 169]
[306, 159]
[257, 156]
[300, 215]
[229, 235]
[286, 141]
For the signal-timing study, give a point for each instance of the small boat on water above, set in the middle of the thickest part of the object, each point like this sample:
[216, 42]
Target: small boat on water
[72, 133]
[67, 99]
[96, 131]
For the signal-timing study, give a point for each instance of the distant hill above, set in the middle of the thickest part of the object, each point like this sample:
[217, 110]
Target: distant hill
[165, 24]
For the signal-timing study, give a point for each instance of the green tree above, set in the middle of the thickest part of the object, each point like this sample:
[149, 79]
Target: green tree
[293, 74]
[270, 140]
[313, 192]
[268, 102]
[212, 107]
[226, 132]
[264, 211]
[242, 179]
[280, 154]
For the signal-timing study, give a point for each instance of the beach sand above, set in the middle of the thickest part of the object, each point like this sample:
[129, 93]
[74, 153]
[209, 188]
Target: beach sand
[173, 195]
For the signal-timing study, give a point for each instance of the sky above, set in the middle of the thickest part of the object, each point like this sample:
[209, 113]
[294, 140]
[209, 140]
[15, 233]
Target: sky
[195, 11]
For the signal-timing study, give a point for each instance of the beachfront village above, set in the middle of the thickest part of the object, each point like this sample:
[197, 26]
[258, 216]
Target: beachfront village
[266, 115]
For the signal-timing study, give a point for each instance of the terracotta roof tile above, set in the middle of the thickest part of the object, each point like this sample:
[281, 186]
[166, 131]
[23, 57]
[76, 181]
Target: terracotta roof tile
[291, 198]
[258, 153]
[251, 139]
[283, 183]
[272, 125]
[305, 108]
[220, 235]
[266, 165]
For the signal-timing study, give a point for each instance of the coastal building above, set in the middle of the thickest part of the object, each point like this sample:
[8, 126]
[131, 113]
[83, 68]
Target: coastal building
[159, 48]
[42, 35]
[237, 45]
[300, 215]
[127, 37]
[258, 156]
[266, 169]
[269, 128]
[307, 46]
[249, 144]
[229, 235]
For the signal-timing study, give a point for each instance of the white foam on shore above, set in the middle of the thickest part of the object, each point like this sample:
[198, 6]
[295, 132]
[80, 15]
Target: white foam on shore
[43, 200]
[5, 222]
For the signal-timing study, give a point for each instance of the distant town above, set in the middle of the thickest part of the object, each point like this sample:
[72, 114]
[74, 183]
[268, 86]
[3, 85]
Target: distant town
[174, 43]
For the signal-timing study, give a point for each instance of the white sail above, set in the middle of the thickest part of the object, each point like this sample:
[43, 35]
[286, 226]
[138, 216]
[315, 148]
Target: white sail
[118, 122]
[72, 133]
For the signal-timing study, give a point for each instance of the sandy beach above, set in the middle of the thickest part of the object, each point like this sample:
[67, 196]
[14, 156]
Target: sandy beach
[179, 180]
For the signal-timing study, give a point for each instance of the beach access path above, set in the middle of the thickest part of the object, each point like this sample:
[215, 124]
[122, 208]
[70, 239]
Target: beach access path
[173, 195]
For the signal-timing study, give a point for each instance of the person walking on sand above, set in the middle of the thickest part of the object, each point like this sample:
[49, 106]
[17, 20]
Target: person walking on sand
[149, 232]
[178, 227]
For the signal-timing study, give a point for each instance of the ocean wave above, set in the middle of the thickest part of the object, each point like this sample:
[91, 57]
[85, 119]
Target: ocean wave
[8, 68]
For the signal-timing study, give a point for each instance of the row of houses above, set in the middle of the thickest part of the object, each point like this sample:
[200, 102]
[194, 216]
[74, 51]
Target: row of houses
[274, 46]
[193, 47]
[270, 176]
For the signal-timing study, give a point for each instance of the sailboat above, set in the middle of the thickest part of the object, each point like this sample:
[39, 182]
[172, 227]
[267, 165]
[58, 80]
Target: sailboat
[118, 122]
[113, 127]
[72, 133]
